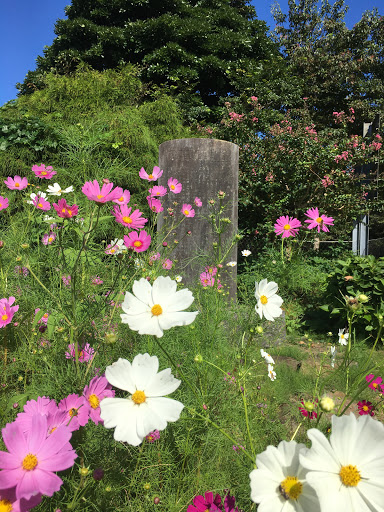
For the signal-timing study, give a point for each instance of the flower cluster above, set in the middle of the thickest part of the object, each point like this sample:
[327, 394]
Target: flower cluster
[289, 226]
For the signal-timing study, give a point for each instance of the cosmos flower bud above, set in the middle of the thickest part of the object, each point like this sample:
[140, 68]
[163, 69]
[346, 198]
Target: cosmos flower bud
[327, 404]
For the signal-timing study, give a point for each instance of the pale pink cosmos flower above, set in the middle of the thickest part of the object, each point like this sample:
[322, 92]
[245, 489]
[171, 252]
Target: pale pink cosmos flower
[187, 210]
[211, 270]
[156, 173]
[174, 186]
[66, 280]
[318, 221]
[11, 504]
[157, 191]
[44, 318]
[198, 202]
[7, 311]
[115, 247]
[41, 204]
[76, 409]
[287, 226]
[154, 257]
[32, 459]
[65, 211]
[124, 198]
[86, 352]
[43, 172]
[155, 204]
[167, 264]
[98, 389]
[3, 203]
[138, 242]
[93, 192]
[16, 183]
[48, 238]
[124, 216]
[207, 279]
[43, 405]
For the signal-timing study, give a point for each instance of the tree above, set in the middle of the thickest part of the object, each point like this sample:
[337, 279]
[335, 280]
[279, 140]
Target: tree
[190, 46]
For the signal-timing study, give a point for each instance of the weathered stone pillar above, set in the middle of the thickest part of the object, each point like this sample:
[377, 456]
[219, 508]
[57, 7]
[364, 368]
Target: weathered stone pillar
[204, 167]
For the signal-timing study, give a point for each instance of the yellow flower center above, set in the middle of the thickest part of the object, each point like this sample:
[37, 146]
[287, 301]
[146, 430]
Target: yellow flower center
[99, 196]
[17, 184]
[29, 462]
[375, 385]
[43, 173]
[186, 212]
[40, 205]
[113, 250]
[291, 488]
[94, 401]
[69, 213]
[5, 506]
[319, 220]
[50, 239]
[72, 412]
[127, 220]
[173, 187]
[52, 430]
[342, 336]
[4, 317]
[150, 176]
[287, 227]
[137, 243]
[263, 299]
[365, 408]
[138, 397]
[156, 310]
[350, 475]
[121, 199]
[63, 210]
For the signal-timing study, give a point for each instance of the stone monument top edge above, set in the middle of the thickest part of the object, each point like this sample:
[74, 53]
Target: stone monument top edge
[198, 140]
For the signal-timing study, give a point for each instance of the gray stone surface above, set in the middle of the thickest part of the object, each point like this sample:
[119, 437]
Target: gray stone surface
[274, 332]
[204, 167]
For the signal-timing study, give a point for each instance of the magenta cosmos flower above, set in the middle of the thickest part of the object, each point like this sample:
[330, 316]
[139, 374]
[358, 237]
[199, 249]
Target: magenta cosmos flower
[365, 408]
[65, 211]
[212, 504]
[48, 238]
[287, 226]
[124, 216]
[167, 264]
[318, 221]
[92, 190]
[98, 389]
[187, 210]
[7, 311]
[124, 198]
[76, 410]
[375, 384]
[9, 503]
[43, 406]
[16, 183]
[3, 203]
[175, 186]
[156, 173]
[43, 172]
[32, 458]
[153, 436]
[157, 191]
[85, 352]
[138, 242]
[207, 279]
[41, 204]
[155, 204]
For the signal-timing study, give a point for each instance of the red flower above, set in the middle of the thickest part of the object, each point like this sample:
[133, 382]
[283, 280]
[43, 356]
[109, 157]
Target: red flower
[365, 408]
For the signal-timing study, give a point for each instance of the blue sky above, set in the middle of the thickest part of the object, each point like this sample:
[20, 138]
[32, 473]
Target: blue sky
[26, 26]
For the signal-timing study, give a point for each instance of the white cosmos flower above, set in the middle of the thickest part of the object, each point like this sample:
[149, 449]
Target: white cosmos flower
[115, 247]
[268, 303]
[178, 279]
[343, 337]
[154, 309]
[246, 253]
[279, 483]
[271, 372]
[231, 264]
[347, 472]
[146, 408]
[268, 358]
[56, 190]
[39, 194]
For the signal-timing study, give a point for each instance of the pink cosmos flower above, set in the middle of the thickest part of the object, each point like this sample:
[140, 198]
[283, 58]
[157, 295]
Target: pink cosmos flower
[174, 186]
[65, 211]
[11, 504]
[211, 270]
[44, 318]
[207, 279]
[365, 408]
[154, 257]
[124, 198]
[124, 216]
[167, 264]
[49, 238]
[93, 192]
[96, 280]
[198, 202]
[43, 406]
[138, 242]
[86, 352]
[58, 419]
[308, 414]
[155, 204]
[32, 459]
[16, 183]
[187, 210]
[153, 436]
[41, 203]
[43, 172]
[76, 409]
[156, 173]
[212, 504]
[98, 389]
[66, 280]
[3, 203]
[375, 384]
[157, 191]
[21, 271]
[287, 226]
[7, 311]
[317, 220]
